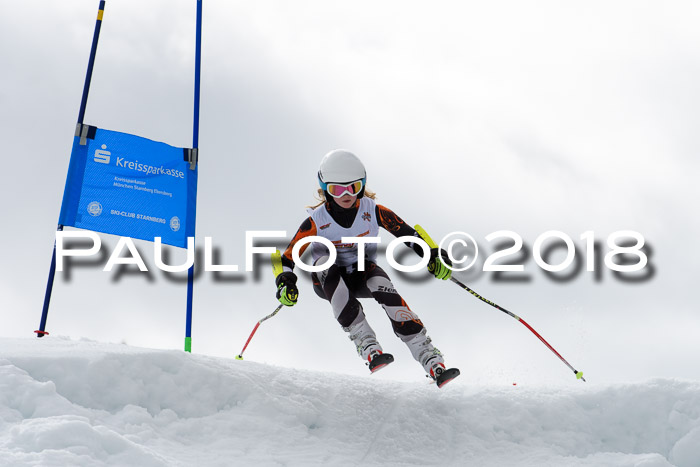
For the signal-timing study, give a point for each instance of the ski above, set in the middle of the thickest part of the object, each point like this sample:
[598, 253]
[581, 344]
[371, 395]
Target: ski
[446, 376]
[380, 361]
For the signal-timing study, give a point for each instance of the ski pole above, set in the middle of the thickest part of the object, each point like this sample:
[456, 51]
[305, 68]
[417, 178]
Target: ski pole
[277, 270]
[579, 374]
[240, 355]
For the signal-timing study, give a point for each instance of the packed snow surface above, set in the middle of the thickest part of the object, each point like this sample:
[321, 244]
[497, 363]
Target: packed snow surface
[66, 402]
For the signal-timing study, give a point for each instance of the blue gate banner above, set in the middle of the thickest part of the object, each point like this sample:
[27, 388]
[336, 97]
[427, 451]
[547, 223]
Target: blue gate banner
[130, 186]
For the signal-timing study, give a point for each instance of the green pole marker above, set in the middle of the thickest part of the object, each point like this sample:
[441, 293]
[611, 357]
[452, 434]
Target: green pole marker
[579, 375]
[424, 235]
[239, 357]
[277, 263]
[188, 344]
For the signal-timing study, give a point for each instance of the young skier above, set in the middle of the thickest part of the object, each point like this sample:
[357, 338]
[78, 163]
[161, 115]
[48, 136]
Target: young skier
[349, 210]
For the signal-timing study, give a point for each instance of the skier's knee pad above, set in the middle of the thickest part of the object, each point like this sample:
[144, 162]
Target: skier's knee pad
[326, 282]
[407, 330]
[318, 288]
[350, 313]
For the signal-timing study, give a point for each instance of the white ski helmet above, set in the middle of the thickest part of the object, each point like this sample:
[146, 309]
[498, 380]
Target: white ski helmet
[341, 166]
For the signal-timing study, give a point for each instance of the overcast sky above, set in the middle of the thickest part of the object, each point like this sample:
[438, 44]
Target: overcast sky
[469, 116]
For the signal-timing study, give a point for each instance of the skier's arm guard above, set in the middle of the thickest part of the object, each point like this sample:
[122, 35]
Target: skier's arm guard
[307, 229]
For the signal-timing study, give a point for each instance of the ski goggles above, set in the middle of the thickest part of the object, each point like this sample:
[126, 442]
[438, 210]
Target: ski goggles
[337, 190]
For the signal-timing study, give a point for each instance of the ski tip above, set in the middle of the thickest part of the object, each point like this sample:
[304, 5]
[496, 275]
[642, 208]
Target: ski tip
[378, 367]
[239, 357]
[380, 361]
[447, 376]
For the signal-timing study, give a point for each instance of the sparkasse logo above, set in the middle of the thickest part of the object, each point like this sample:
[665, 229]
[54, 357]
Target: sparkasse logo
[102, 156]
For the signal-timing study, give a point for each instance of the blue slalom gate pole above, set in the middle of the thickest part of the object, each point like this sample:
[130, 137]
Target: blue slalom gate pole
[195, 146]
[81, 115]
[91, 62]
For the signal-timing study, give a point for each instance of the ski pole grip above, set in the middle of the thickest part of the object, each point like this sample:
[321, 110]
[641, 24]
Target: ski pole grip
[424, 235]
[277, 263]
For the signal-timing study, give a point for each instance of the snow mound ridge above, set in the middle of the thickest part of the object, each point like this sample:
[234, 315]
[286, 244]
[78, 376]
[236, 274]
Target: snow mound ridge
[82, 403]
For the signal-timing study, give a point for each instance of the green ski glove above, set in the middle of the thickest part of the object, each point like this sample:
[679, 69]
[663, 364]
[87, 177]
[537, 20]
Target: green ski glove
[438, 264]
[287, 292]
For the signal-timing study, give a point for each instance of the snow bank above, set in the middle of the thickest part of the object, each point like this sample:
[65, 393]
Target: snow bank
[66, 402]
